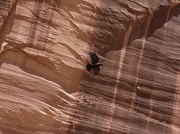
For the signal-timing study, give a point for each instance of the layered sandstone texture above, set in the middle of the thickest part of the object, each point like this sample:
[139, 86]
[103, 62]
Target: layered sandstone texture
[45, 88]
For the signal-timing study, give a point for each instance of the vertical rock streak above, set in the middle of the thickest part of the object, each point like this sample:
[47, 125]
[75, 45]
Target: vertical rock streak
[159, 76]
[121, 60]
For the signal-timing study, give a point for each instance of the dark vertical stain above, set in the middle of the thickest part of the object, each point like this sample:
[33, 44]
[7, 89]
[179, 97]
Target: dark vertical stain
[8, 21]
[33, 28]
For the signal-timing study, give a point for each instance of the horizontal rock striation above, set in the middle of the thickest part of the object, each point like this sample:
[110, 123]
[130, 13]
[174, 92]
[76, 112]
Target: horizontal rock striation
[45, 88]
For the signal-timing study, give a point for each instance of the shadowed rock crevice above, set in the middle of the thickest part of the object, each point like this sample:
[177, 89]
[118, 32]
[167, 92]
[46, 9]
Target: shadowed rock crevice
[161, 19]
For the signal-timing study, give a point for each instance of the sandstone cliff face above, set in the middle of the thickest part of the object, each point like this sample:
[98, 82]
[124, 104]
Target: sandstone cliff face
[45, 88]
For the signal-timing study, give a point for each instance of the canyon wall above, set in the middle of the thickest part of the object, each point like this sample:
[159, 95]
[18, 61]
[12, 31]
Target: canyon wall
[44, 49]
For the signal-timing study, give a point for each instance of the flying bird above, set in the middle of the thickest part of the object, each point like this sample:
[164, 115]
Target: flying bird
[95, 65]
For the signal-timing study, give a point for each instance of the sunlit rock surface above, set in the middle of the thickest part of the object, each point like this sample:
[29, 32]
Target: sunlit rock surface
[45, 88]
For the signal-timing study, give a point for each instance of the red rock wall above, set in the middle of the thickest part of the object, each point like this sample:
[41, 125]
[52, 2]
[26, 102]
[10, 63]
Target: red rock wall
[45, 88]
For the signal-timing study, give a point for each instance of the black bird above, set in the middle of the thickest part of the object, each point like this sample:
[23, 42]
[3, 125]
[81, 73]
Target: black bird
[94, 63]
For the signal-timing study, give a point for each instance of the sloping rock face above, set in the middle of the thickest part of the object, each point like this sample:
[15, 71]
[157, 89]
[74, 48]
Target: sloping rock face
[45, 88]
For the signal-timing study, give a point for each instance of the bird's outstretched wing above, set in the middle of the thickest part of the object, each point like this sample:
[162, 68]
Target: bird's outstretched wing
[94, 58]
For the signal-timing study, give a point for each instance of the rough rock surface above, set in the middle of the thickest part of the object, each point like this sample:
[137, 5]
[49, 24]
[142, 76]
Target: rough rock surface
[45, 89]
